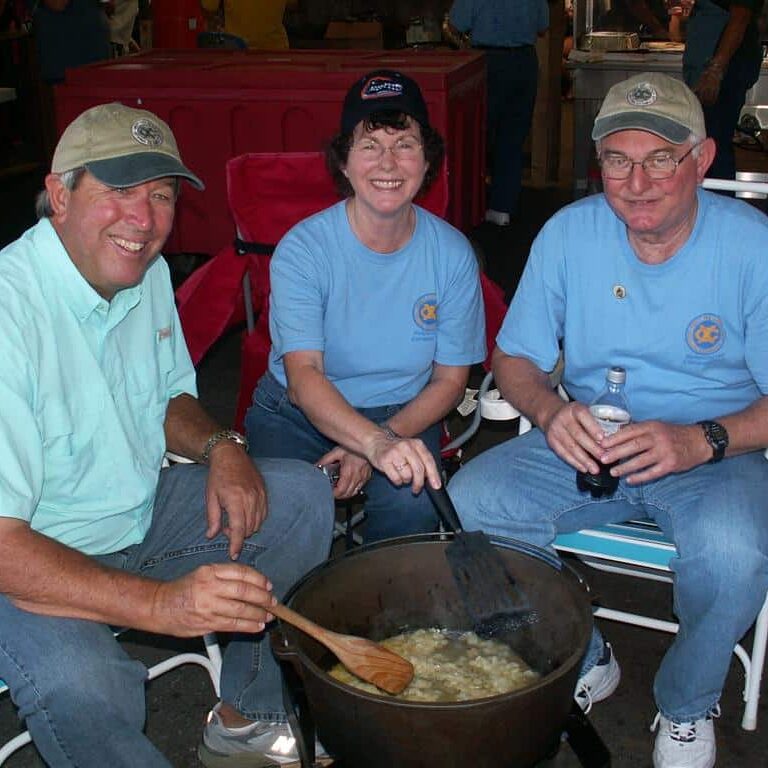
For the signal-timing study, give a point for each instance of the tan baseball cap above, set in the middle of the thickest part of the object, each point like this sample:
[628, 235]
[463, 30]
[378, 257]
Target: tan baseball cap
[121, 147]
[651, 102]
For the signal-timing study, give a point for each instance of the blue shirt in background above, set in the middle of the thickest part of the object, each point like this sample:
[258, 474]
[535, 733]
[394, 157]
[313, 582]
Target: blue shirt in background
[501, 23]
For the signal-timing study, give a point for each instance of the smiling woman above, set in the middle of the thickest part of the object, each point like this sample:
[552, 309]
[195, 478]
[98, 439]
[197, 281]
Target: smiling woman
[375, 316]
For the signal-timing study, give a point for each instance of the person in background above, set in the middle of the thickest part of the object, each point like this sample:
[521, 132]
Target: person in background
[667, 281]
[506, 32]
[376, 315]
[121, 22]
[69, 33]
[258, 22]
[722, 60]
[96, 383]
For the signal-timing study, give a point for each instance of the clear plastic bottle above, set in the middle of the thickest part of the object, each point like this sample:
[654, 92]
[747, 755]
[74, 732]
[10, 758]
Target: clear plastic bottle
[611, 410]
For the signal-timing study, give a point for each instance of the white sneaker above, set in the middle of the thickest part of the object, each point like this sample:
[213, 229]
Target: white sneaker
[257, 745]
[600, 682]
[500, 218]
[684, 745]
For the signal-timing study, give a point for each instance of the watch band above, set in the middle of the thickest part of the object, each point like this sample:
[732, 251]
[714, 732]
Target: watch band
[717, 436]
[224, 434]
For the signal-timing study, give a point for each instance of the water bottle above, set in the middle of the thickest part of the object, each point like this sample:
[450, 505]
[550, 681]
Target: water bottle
[611, 411]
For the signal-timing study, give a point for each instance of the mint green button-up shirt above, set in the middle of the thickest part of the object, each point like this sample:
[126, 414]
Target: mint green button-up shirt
[84, 386]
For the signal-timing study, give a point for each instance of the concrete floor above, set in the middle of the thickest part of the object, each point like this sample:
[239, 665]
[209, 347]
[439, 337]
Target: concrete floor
[179, 701]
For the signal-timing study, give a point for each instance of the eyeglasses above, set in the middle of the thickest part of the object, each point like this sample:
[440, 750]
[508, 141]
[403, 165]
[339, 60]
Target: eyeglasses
[403, 149]
[657, 166]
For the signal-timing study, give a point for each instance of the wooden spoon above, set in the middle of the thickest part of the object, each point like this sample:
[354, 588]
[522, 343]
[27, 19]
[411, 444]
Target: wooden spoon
[362, 657]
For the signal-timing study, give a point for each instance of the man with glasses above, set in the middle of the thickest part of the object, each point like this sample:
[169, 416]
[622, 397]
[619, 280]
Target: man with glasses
[668, 281]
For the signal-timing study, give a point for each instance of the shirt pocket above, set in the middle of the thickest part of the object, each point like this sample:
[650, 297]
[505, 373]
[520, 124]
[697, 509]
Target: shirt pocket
[146, 379]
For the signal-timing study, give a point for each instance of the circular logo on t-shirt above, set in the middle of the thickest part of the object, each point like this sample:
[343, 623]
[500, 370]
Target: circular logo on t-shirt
[705, 334]
[425, 311]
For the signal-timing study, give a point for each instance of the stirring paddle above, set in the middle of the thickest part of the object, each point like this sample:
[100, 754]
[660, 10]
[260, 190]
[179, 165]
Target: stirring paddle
[362, 657]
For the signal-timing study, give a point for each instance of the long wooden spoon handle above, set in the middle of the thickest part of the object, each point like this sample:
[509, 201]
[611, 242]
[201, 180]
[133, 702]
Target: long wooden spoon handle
[304, 624]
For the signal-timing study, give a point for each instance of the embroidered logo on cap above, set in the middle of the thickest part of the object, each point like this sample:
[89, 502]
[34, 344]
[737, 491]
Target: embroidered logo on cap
[642, 95]
[381, 88]
[146, 132]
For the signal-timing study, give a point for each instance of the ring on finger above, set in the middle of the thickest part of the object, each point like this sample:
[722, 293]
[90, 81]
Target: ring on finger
[400, 467]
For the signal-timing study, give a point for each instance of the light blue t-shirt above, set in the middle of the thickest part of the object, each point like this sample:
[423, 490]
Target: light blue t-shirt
[380, 320]
[84, 386]
[692, 332]
[503, 23]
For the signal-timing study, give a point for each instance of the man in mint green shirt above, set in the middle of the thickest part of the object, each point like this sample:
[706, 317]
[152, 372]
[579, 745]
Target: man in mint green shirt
[96, 384]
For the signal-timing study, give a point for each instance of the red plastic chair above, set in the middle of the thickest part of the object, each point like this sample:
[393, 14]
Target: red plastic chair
[268, 193]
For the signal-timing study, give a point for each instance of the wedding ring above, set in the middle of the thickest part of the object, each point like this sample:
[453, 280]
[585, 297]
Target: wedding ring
[400, 467]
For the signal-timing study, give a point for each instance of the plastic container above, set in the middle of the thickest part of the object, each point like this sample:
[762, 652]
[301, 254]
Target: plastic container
[221, 104]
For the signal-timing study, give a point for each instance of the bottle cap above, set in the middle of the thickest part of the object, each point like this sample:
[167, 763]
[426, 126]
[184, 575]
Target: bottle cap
[616, 375]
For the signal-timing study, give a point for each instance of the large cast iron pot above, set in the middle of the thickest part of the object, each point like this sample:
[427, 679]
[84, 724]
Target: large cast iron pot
[380, 590]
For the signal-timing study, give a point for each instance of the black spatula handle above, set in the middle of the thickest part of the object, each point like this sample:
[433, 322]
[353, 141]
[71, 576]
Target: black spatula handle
[444, 507]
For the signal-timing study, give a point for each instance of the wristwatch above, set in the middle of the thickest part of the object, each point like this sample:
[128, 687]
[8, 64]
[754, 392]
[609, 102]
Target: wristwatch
[224, 434]
[717, 437]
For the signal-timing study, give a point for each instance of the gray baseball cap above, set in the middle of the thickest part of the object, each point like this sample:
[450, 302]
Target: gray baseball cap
[652, 102]
[121, 147]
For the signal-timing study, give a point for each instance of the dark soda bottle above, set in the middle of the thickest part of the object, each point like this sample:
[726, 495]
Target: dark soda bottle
[611, 410]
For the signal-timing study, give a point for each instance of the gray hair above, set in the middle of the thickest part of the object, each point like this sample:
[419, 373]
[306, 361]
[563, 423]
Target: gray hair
[70, 179]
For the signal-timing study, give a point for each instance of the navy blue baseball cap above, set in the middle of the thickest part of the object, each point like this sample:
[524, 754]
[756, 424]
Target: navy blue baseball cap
[383, 91]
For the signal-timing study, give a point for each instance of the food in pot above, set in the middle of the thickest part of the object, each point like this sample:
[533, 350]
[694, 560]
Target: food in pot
[451, 666]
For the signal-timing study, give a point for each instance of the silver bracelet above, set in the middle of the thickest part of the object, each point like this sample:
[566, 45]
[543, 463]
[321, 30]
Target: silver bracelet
[224, 434]
[391, 434]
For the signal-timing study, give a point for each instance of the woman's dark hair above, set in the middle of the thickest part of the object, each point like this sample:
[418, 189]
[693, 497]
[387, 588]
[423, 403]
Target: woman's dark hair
[337, 152]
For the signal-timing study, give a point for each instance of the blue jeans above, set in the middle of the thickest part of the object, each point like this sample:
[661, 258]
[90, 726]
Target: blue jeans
[715, 514]
[275, 427]
[83, 697]
[512, 81]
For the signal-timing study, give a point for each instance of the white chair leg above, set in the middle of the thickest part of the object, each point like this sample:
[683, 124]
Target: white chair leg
[755, 672]
[16, 743]
[214, 654]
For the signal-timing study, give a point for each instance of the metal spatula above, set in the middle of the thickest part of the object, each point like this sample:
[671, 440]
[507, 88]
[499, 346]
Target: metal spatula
[491, 597]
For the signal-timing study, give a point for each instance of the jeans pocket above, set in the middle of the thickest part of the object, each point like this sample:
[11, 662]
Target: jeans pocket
[269, 395]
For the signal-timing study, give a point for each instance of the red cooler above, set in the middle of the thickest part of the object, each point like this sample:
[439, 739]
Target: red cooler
[224, 103]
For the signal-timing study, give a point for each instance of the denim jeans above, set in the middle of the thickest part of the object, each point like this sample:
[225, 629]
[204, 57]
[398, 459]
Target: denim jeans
[715, 514]
[275, 427]
[83, 697]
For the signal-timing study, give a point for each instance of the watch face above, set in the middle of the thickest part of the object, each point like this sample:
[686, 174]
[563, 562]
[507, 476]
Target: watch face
[717, 437]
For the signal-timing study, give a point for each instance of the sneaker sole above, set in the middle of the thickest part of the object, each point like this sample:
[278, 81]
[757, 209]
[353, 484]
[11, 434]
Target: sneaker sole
[249, 760]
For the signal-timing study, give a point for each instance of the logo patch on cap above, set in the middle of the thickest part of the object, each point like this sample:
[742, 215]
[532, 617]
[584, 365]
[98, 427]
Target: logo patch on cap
[381, 88]
[642, 95]
[146, 132]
